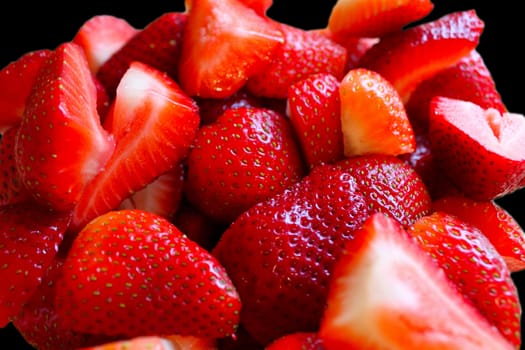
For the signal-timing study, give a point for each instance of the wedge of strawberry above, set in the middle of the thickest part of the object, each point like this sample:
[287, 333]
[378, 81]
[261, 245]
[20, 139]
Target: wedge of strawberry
[154, 123]
[314, 109]
[29, 240]
[60, 145]
[386, 293]
[469, 80]
[16, 82]
[473, 264]
[303, 53]
[297, 341]
[480, 150]
[101, 36]
[154, 342]
[158, 45]
[247, 155]
[132, 273]
[496, 223]
[375, 18]
[373, 117]
[225, 43]
[12, 190]
[408, 57]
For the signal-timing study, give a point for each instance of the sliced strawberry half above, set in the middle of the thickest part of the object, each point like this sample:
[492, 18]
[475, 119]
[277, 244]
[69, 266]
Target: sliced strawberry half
[408, 57]
[101, 36]
[373, 117]
[225, 43]
[154, 123]
[376, 18]
[386, 293]
[481, 150]
[60, 145]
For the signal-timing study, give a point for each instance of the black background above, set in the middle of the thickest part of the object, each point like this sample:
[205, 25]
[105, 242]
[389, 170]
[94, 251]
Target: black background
[46, 24]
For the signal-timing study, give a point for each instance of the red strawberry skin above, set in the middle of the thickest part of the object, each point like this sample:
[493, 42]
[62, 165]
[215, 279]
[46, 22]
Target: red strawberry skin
[245, 156]
[60, 145]
[297, 341]
[12, 189]
[149, 282]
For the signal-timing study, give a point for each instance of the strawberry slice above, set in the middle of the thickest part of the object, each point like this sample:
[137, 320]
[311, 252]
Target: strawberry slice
[61, 145]
[132, 273]
[481, 150]
[29, 240]
[154, 123]
[101, 36]
[297, 341]
[224, 43]
[16, 82]
[386, 293]
[314, 109]
[472, 263]
[376, 18]
[157, 45]
[373, 117]
[498, 225]
[408, 57]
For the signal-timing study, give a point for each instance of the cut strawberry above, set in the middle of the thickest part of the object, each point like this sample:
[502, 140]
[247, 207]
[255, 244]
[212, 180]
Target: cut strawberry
[376, 18]
[303, 53]
[314, 109]
[16, 82]
[61, 145]
[408, 57]
[297, 341]
[101, 36]
[154, 123]
[497, 224]
[373, 117]
[386, 293]
[157, 45]
[225, 43]
[473, 264]
[480, 150]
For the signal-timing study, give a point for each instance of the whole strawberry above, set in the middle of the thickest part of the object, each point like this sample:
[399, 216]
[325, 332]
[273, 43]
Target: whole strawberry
[130, 273]
[245, 156]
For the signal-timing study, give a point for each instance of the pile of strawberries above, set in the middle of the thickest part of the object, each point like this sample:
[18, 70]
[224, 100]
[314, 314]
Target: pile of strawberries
[222, 180]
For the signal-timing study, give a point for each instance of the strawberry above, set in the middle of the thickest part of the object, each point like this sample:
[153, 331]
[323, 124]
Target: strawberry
[154, 123]
[153, 342]
[355, 48]
[297, 341]
[473, 264]
[386, 293]
[496, 223]
[101, 36]
[480, 150]
[29, 240]
[16, 82]
[157, 45]
[304, 52]
[167, 283]
[245, 156]
[241, 340]
[469, 80]
[375, 18]
[408, 57]
[314, 109]
[373, 117]
[60, 145]
[224, 43]
[12, 190]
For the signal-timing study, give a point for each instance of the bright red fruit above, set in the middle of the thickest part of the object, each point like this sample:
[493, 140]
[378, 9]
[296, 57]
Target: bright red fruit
[155, 342]
[157, 45]
[29, 240]
[498, 225]
[130, 273]
[480, 150]
[314, 109]
[60, 145]
[224, 43]
[297, 341]
[303, 53]
[247, 155]
[386, 293]
[474, 266]
[154, 123]
[12, 190]
[408, 57]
